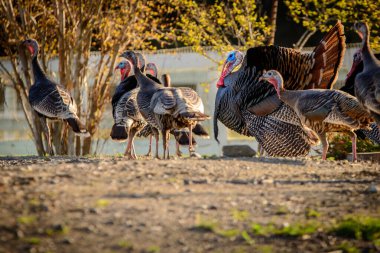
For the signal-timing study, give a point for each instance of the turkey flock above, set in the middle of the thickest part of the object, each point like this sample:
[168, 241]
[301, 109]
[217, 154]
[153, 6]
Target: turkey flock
[282, 97]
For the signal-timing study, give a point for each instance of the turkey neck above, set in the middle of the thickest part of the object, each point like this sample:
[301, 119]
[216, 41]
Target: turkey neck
[369, 58]
[290, 97]
[145, 83]
[37, 70]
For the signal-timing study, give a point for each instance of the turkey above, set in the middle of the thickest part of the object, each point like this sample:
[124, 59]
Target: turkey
[51, 100]
[349, 87]
[128, 120]
[246, 106]
[367, 83]
[182, 136]
[167, 108]
[323, 110]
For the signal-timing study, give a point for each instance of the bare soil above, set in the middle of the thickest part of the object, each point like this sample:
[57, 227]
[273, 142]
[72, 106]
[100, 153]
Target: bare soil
[109, 204]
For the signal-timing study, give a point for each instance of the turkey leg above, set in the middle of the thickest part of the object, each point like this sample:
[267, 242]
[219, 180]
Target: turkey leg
[325, 144]
[47, 135]
[353, 140]
[150, 145]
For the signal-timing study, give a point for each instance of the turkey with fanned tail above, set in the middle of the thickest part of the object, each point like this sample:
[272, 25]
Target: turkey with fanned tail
[248, 107]
[51, 100]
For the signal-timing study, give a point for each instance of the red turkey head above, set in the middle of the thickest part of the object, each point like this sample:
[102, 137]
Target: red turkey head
[355, 63]
[234, 58]
[32, 46]
[362, 29]
[125, 68]
[273, 77]
[151, 69]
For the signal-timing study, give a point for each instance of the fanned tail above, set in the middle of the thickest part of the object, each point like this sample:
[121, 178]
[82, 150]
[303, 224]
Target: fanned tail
[279, 138]
[328, 58]
[78, 127]
[119, 133]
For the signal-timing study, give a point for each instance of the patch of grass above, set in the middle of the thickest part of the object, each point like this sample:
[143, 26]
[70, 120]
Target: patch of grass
[206, 225]
[265, 249]
[258, 229]
[346, 247]
[240, 215]
[311, 213]
[298, 229]
[32, 240]
[125, 244]
[34, 202]
[26, 219]
[153, 249]
[102, 203]
[281, 210]
[358, 227]
[228, 233]
[293, 230]
[57, 230]
[247, 238]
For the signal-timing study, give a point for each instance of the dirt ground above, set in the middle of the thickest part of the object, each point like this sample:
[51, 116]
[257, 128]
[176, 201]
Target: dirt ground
[110, 204]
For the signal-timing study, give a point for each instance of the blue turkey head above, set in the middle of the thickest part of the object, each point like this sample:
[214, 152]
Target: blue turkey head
[234, 58]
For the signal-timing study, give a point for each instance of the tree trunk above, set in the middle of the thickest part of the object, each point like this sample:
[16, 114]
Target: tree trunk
[304, 39]
[273, 19]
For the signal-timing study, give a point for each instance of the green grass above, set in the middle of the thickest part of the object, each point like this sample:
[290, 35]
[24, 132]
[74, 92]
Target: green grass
[206, 225]
[311, 213]
[293, 230]
[281, 210]
[32, 240]
[239, 215]
[26, 219]
[102, 203]
[153, 249]
[247, 238]
[346, 247]
[358, 227]
[125, 244]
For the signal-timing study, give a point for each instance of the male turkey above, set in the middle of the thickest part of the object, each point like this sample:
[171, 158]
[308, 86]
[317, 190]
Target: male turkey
[51, 100]
[367, 83]
[246, 106]
[349, 87]
[166, 108]
[323, 110]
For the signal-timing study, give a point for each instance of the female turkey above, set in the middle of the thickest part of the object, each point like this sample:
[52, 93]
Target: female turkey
[51, 100]
[367, 83]
[246, 106]
[182, 136]
[167, 108]
[323, 110]
[349, 87]
[127, 117]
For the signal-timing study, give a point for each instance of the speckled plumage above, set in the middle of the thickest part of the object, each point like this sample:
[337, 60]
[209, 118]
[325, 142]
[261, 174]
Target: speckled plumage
[243, 105]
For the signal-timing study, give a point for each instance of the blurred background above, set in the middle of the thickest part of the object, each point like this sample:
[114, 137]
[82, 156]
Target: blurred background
[80, 44]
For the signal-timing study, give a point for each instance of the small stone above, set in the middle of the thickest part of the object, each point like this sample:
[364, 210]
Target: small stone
[238, 151]
[371, 189]
[67, 241]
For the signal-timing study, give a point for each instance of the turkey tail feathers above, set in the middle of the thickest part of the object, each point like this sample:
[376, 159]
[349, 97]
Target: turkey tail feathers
[119, 133]
[200, 131]
[78, 127]
[328, 58]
